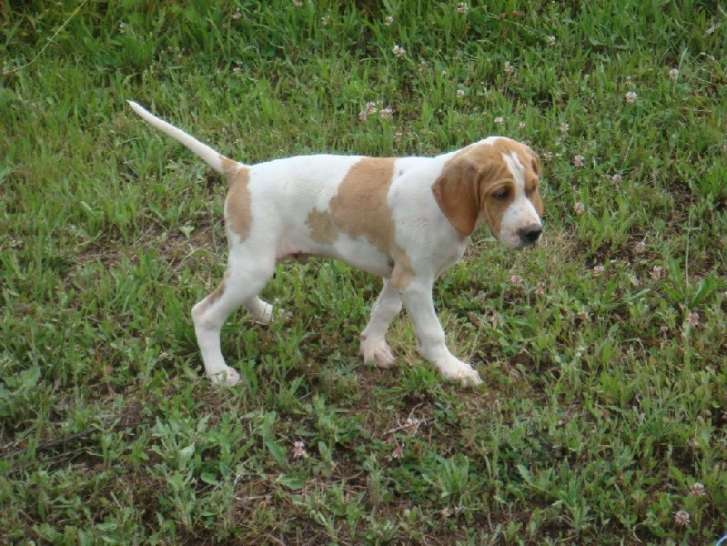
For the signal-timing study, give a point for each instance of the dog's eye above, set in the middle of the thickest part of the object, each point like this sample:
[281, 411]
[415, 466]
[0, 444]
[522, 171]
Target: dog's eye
[501, 194]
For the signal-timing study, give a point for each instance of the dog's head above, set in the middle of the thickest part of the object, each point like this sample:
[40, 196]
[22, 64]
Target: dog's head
[496, 181]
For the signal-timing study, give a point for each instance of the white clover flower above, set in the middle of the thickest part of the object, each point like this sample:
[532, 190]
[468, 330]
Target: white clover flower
[389, 20]
[681, 518]
[579, 208]
[298, 450]
[674, 74]
[693, 319]
[398, 51]
[697, 490]
[578, 161]
[564, 127]
[460, 93]
[508, 68]
[369, 109]
[386, 113]
[616, 178]
[631, 97]
[499, 120]
[550, 40]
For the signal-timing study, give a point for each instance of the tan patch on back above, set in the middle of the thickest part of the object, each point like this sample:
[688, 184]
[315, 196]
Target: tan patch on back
[322, 228]
[238, 215]
[359, 208]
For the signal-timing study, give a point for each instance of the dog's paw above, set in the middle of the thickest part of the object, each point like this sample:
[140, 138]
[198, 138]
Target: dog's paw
[461, 372]
[376, 350]
[226, 376]
[263, 313]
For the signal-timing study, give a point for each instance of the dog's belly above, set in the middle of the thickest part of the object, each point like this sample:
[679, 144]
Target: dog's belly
[363, 255]
[356, 252]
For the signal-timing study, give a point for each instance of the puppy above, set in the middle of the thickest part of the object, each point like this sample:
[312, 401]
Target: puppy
[405, 219]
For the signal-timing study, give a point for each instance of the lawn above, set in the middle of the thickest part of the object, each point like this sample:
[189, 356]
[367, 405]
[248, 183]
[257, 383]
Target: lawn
[603, 414]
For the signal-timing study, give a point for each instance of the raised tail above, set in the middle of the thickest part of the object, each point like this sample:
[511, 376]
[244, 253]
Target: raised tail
[214, 159]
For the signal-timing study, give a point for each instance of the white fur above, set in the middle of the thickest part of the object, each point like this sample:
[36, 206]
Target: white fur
[283, 192]
[521, 211]
[211, 157]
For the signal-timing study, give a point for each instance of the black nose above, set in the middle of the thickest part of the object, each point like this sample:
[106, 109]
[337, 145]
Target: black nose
[529, 234]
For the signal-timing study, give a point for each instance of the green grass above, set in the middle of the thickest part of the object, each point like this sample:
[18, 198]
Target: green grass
[603, 350]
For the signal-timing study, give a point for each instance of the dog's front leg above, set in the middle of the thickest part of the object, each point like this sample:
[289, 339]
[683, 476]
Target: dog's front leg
[417, 298]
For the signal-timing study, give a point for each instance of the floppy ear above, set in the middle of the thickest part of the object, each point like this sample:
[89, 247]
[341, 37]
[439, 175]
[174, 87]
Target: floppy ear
[457, 194]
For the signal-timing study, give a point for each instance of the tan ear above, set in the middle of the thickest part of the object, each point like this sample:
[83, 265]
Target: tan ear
[535, 161]
[456, 192]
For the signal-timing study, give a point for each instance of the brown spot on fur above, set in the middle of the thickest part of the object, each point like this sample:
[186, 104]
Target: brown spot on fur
[360, 209]
[238, 215]
[217, 292]
[228, 165]
[402, 274]
[471, 178]
[537, 202]
[322, 228]
[213, 296]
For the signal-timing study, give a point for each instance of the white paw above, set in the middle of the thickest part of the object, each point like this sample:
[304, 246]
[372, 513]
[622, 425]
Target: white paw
[264, 314]
[378, 351]
[461, 372]
[226, 376]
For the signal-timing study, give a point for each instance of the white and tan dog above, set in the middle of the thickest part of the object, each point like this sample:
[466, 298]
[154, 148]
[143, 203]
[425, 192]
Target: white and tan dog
[405, 219]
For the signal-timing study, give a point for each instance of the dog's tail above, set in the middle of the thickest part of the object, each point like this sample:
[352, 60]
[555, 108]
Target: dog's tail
[214, 159]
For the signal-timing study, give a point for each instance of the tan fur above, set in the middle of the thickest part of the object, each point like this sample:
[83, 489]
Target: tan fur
[216, 294]
[360, 209]
[228, 165]
[469, 179]
[403, 272]
[322, 228]
[237, 206]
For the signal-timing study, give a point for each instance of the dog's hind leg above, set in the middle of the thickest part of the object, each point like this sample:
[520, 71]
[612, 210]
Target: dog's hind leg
[260, 310]
[373, 338]
[246, 275]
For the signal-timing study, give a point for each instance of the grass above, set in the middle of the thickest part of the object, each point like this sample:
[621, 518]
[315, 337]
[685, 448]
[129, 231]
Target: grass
[603, 350]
